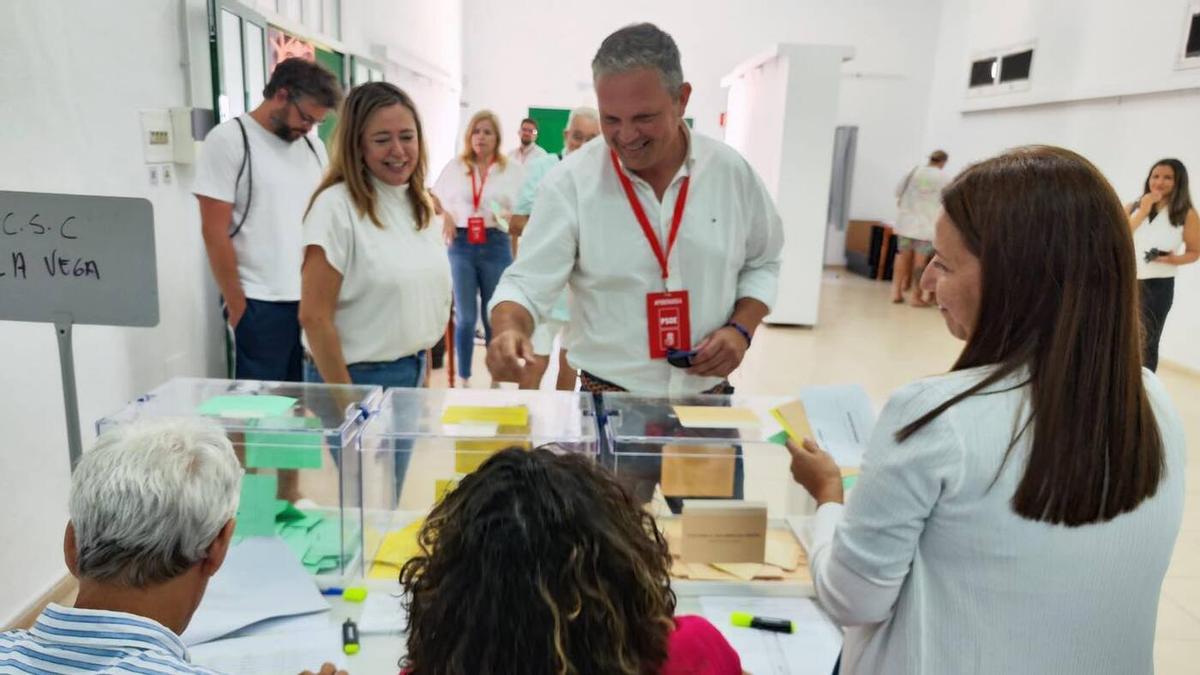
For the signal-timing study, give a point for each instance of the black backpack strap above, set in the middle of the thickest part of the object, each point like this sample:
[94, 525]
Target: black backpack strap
[309, 143]
[247, 167]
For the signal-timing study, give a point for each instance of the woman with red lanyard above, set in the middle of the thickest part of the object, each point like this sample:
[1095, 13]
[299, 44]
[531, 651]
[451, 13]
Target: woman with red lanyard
[477, 190]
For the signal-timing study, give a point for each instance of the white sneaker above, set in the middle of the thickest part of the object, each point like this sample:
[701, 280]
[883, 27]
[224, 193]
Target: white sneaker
[462, 383]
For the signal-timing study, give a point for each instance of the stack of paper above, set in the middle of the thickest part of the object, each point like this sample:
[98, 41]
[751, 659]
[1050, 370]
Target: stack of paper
[268, 654]
[315, 539]
[260, 579]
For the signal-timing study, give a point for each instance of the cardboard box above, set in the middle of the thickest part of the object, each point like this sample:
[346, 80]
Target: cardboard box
[724, 531]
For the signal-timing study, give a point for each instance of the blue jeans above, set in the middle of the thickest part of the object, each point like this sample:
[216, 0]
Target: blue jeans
[267, 342]
[407, 372]
[476, 269]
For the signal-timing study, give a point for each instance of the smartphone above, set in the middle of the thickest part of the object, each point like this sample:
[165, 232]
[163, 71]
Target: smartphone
[680, 358]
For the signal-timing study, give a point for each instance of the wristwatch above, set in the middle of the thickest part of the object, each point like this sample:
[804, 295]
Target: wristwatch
[741, 329]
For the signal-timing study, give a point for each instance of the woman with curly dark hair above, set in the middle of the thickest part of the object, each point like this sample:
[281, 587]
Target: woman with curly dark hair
[540, 563]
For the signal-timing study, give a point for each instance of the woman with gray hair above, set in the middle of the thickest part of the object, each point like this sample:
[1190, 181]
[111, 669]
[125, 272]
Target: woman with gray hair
[152, 510]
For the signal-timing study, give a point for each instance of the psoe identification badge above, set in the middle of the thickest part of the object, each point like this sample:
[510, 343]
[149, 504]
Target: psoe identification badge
[669, 326]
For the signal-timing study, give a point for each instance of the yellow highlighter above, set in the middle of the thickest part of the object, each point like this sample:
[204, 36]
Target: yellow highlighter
[350, 637]
[748, 620]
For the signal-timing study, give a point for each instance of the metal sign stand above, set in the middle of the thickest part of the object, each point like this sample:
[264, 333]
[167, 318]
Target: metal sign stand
[66, 362]
[76, 259]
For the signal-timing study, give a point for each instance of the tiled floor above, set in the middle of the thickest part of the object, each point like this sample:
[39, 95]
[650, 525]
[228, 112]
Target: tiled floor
[863, 338]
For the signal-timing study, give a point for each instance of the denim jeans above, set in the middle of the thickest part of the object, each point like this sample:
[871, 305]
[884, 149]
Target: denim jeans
[476, 269]
[407, 371]
[267, 342]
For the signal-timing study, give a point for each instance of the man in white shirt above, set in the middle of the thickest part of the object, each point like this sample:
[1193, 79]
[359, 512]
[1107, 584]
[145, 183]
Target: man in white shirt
[253, 181]
[637, 289]
[152, 510]
[667, 239]
[528, 150]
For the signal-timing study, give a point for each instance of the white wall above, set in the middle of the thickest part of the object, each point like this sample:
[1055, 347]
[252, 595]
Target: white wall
[422, 43]
[521, 53]
[1084, 48]
[788, 100]
[70, 124]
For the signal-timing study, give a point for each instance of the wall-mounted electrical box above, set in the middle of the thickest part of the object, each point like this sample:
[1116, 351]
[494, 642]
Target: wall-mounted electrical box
[157, 137]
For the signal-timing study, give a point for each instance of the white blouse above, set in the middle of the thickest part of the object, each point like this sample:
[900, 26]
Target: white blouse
[932, 572]
[453, 188]
[1159, 233]
[395, 295]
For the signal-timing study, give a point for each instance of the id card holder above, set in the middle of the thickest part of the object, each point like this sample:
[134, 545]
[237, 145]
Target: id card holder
[668, 323]
[476, 230]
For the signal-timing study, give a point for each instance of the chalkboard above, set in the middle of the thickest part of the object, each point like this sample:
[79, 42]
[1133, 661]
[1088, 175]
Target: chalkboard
[77, 259]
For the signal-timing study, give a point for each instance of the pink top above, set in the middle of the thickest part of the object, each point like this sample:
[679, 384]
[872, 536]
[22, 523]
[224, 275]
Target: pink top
[696, 647]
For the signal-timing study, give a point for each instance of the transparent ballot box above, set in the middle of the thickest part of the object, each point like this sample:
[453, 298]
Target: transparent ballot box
[423, 441]
[295, 441]
[720, 461]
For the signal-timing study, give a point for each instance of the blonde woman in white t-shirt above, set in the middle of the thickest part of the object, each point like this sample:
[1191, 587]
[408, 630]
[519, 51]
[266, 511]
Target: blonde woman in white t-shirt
[375, 284]
[478, 189]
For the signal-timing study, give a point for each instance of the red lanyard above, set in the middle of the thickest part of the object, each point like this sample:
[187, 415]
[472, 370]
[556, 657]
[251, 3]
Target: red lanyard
[651, 235]
[477, 193]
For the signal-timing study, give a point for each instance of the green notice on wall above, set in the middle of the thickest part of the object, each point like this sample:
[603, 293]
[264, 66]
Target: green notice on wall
[335, 62]
[551, 123]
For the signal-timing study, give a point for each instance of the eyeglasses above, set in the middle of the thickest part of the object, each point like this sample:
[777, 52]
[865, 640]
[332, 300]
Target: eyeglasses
[305, 117]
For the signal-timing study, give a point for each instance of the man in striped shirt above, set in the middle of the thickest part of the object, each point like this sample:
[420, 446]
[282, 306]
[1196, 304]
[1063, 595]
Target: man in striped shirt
[152, 513]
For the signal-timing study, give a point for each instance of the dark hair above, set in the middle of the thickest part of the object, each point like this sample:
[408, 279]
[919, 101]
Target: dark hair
[530, 120]
[301, 77]
[938, 156]
[1059, 297]
[640, 45]
[1181, 197]
[346, 163]
[538, 563]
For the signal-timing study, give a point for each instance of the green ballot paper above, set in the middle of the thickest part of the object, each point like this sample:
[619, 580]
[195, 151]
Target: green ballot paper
[277, 447]
[246, 406]
[257, 507]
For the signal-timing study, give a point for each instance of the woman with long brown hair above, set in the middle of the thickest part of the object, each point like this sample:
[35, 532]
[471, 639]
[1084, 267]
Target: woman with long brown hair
[1017, 514]
[375, 285]
[540, 563]
[1163, 221]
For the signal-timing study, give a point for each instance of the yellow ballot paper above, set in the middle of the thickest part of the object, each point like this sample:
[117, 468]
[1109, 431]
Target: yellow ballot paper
[716, 417]
[397, 548]
[441, 486]
[509, 416]
[470, 454]
[794, 421]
